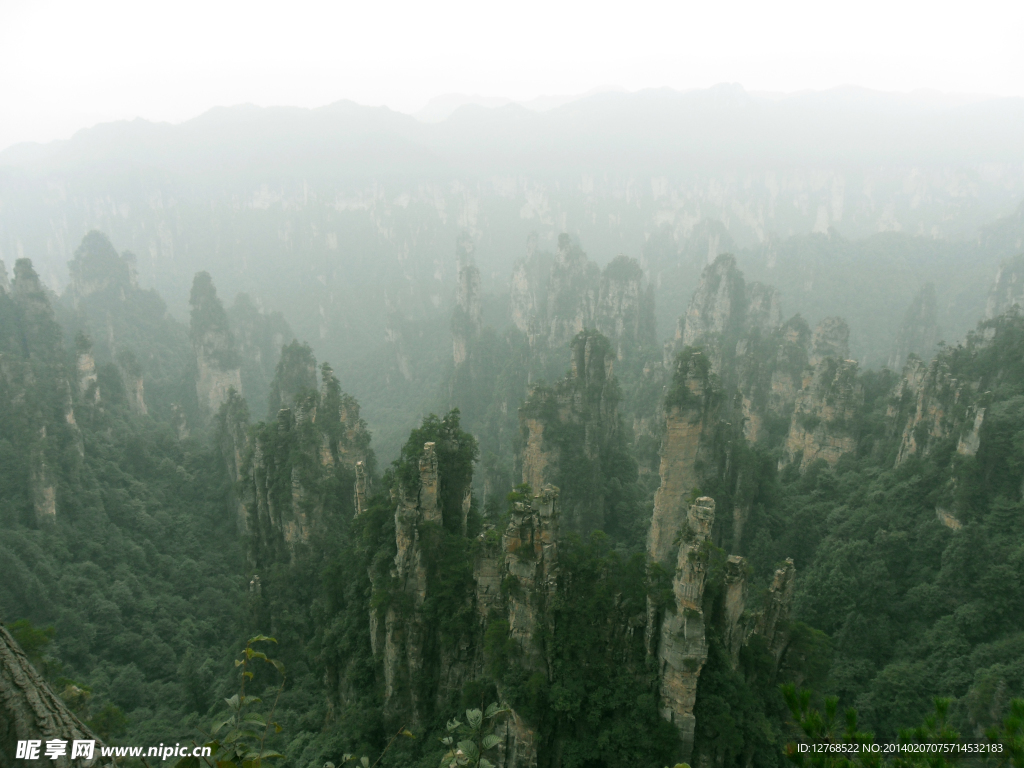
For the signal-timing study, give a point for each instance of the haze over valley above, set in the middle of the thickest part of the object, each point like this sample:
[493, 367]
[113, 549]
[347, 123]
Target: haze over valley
[643, 423]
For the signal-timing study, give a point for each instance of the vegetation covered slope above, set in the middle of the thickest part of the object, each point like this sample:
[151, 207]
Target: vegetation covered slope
[137, 557]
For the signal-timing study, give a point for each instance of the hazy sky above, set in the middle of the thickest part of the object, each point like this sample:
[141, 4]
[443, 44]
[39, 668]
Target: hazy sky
[67, 64]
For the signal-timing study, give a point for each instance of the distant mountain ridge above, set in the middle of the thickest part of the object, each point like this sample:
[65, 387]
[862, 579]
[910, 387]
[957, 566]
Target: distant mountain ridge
[344, 218]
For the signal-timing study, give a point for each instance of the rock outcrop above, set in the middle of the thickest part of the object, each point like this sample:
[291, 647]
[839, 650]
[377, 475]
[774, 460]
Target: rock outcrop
[294, 378]
[233, 442]
[530, 547]
[1008, 289]
[36, 391]
[467, 319]
[625, 307]
[919, 332]
[823, 425]
[31, 711]
[85, 364]
[291, 468]
[570, 425]
[718, 308]
[218, 366]
[680, 645]
[770, 622]
[134, 386]
[687, 450]
[553, 300]
[831, 340]
[127, 326]
[259, 337]
[925, 406]
[403, 626]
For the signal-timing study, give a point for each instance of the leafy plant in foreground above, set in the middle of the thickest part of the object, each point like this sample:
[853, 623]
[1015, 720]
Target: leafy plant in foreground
[244, 745]
[467, 742]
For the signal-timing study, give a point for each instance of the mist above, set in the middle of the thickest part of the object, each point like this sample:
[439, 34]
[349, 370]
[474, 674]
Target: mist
[533, 386]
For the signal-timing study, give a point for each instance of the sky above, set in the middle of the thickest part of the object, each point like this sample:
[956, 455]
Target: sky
[68, 64]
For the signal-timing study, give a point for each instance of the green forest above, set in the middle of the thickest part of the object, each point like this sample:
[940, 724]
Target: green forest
[593, 547]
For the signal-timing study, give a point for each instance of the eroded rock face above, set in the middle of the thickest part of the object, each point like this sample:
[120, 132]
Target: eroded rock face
[925, 407]
[30, 710]
[919, 332]
[970, 440]
[233, 441]
[822, 426]
[737, 326]
[552, 300]
[98, 269]
[1008, 289]
[136, 390]
[530, 546]
[515, 577]
[403, 651]
[584, 405]
[36, 392]
[467, 320]
[295, 376]
[218, 368]
[85, 363]
[687, 445]
[315, 445]
[719, 306]
[625, 306]
[361, 486]
[770, 622]
[764, 307]
[681, 645]
[736, 630]
[259, 337]
[528, 566]
[831, 339]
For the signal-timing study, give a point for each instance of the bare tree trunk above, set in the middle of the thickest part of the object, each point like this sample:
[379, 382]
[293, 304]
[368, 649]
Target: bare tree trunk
[29, 710]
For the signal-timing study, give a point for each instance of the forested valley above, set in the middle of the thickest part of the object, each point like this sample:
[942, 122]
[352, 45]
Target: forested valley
[634, 546]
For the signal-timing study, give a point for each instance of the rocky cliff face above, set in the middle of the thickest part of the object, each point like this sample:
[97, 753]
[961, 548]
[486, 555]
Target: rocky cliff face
[259, 337]
[515, 579]
[564, 430]
[928, 404]
[218, 368]
[823, 422]
[625, 307]
[681, 648]
[295, 377]
[738, 327]
[718, 308]
[530, 548]
[36, 408]
[85, 364]
[467, 319]
[919, 332]
[553, 299]
[298, 467]
[234, 443]
[1008, 289]
[404, 629]
[687, 449]
[780, 373]
[125, 325]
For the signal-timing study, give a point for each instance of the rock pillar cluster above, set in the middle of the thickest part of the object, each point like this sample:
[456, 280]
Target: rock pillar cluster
[681, 645]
